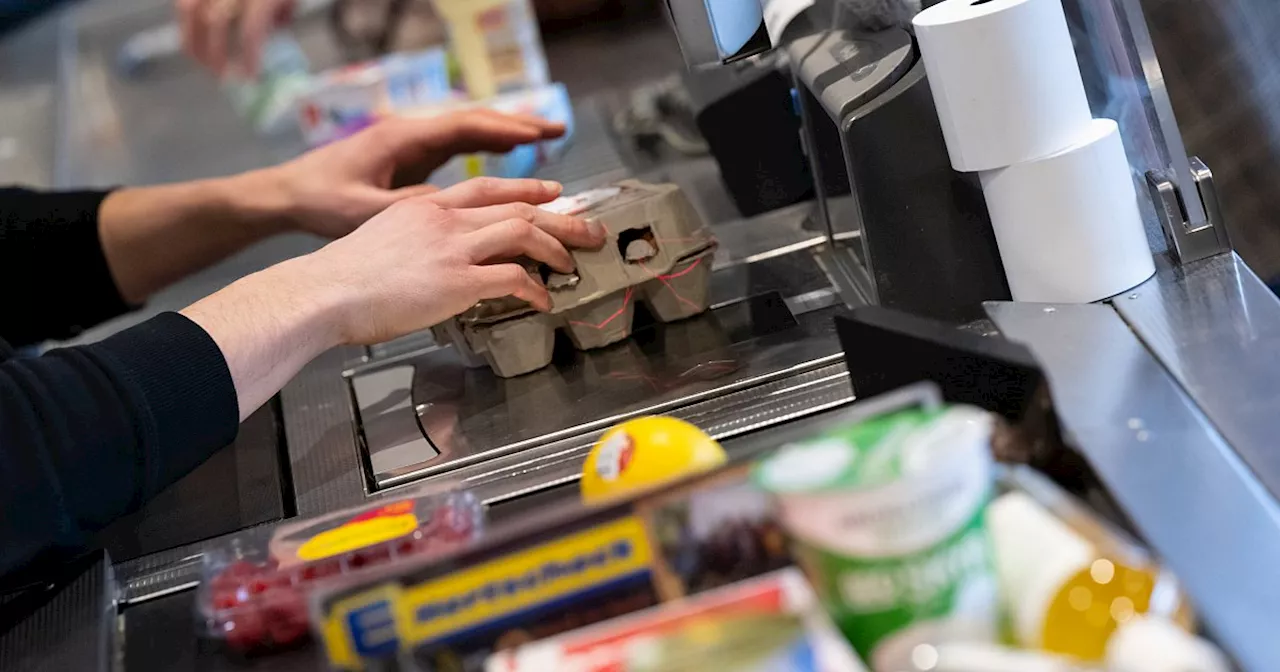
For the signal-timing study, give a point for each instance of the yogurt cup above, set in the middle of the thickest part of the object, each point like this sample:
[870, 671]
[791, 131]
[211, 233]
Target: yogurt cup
[888, 517]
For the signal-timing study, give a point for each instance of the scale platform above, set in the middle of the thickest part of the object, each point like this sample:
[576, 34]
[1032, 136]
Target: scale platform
[766, 352]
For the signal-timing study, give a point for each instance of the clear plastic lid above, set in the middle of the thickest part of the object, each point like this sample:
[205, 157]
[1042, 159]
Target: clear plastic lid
[254, 593]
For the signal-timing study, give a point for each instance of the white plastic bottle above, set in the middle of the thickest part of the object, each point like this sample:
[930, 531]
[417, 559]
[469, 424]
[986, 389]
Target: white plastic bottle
[1064, 595]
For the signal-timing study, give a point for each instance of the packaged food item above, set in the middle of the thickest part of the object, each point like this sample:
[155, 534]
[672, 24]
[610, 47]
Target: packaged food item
[340, 102]
[1065, 594]
[658, 250]
[254, 594]
[452, 618]
[497, 44]
[270, 101]
[641, 453]
[768, 623]
[714, 531]
[1145, 644]
[887, 516]
[987, 657]
[586, 566]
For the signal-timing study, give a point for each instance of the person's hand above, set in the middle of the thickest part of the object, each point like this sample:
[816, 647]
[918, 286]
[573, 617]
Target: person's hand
[211, 28]
[429, 258]
[416, 264]
[332, 190]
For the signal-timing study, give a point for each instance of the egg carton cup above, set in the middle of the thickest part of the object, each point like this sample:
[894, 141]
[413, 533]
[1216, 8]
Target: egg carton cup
[658, 251]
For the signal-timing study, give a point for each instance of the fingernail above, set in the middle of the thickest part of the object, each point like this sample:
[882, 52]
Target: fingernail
[553, 187]
[596, 229]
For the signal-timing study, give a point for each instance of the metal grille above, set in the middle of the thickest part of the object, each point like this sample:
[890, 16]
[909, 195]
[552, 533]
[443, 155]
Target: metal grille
[74, 630]
[321, 436]
[724, 417]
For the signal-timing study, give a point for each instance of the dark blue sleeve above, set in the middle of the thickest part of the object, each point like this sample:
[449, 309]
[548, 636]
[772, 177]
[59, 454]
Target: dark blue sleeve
[89, 433]
[54, 277]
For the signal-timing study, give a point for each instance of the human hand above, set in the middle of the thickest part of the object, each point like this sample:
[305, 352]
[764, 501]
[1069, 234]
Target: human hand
[210, 27]
[332, 190]
[418, 263]
[428, 258]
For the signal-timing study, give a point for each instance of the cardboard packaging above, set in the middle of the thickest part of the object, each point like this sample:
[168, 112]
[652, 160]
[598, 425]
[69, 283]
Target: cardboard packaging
[658, 251]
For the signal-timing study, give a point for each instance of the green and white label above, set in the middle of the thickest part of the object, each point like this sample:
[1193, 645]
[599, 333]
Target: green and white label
[889, 517]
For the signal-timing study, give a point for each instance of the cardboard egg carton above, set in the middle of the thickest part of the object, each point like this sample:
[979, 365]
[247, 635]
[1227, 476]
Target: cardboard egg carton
[658, 251]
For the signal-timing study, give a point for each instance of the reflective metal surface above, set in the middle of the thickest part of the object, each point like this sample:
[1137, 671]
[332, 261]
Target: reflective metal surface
[1186, 491]
[324, 439]
[1216, 328]
[747, 422]
[470, 416]
[764, 407]
[321, 437]
[760, 328]
[174, 570]
[72, 622]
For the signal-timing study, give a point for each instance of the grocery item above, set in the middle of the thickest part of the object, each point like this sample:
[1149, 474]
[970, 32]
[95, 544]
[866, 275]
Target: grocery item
[254, 594]
[497, 44]
[657, 250]
[270, 101]
[712, 532]
[986, 657]
[645, 452]
[1065, 595]
[581, 566]
[454, 617]
[1144, 644]
[340, 102]
[768, 623]
[888, 519]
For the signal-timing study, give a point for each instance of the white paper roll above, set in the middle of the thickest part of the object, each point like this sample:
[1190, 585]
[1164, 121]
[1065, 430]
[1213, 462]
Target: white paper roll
[1005, 80]
[1068, 225]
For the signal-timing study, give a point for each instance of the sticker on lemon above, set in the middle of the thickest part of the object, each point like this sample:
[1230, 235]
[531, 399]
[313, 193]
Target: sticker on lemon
[646, 452]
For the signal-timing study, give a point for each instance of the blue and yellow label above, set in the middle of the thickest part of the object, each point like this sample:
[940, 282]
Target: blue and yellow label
[384, 619]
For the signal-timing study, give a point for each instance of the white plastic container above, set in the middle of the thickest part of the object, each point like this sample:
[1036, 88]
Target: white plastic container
[888, 518]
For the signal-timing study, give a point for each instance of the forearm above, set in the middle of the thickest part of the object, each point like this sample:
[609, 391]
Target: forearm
[269, 325]
[89, 433]
[155, 236]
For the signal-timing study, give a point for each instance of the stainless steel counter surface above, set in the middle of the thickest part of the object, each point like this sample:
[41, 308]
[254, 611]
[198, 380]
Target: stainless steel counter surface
[1216, 328]
[1179, 481]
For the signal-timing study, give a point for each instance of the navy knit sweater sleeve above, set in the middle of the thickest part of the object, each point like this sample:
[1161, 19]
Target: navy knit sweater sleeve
[89, 433]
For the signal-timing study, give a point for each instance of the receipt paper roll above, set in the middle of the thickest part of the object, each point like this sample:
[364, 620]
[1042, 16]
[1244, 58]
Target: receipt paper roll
[1005, 80]
[1068, 225]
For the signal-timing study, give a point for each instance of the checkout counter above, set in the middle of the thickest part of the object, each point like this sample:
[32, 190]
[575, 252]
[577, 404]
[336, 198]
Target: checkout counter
[1169, 391]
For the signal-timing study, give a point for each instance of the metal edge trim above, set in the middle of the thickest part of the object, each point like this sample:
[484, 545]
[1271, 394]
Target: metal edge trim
[139, 585]
[419, 473]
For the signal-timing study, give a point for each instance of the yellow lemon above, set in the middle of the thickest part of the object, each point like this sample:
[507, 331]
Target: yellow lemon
[645, 452]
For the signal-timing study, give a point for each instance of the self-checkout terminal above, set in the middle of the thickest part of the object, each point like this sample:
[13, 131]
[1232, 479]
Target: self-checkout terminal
[1142, 383]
